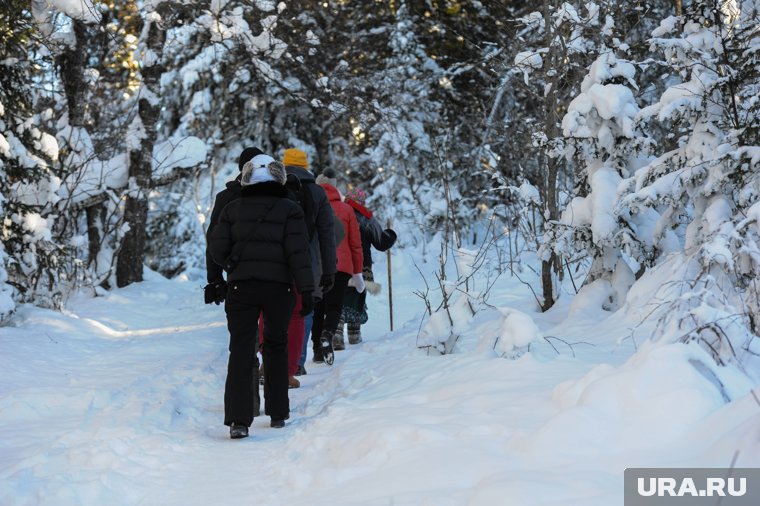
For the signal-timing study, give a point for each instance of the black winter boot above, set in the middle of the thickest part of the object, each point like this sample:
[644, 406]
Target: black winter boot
[238, 431]
[325, 340]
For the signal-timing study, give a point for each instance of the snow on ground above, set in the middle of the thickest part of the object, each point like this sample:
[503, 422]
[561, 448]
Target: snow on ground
[119, 401]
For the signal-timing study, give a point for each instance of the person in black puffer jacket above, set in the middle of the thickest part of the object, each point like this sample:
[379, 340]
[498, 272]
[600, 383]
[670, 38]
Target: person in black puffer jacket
[262, 242]
[214, 271]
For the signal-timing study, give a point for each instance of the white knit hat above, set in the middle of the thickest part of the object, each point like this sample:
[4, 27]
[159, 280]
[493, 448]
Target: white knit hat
[262, 168]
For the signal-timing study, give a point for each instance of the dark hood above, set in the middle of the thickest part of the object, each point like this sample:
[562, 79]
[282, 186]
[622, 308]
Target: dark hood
[268, 188]
[234, 184]
[302, 174]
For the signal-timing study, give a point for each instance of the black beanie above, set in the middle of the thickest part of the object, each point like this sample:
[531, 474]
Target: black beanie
[247, 155]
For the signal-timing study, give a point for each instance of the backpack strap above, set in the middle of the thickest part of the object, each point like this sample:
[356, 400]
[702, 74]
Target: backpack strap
[309, 211]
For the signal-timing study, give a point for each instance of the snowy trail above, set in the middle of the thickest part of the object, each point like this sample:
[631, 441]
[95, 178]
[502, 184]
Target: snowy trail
[119, 401]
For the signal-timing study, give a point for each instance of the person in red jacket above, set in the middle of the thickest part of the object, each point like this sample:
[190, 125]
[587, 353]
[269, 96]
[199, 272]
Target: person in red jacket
[373, 236]
[327, 311]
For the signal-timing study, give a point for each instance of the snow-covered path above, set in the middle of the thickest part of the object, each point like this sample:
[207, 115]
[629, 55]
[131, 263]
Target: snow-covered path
[119, 401]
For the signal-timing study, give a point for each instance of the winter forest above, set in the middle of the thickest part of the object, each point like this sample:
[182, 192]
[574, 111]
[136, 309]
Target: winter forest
[575, 186]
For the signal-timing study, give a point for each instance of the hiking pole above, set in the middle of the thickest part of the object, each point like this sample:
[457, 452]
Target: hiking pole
[390, 282]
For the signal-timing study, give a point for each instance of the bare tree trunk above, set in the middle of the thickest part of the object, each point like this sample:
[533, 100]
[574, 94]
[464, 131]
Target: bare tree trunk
[129, 266]
[548, 267]
[95, 221]
[71, 63]
[552, 166]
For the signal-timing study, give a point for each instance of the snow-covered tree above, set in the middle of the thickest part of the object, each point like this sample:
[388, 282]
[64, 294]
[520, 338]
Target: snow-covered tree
[30, 261]
[221, 86]
[408, 151]
[88, 96]
[705, 188]
[561, 41]
[141, 139]
[600, 127]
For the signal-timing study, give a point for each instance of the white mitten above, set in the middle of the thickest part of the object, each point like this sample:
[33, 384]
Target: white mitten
[357, 281]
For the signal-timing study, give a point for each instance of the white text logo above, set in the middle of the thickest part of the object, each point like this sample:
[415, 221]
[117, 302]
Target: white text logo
[714, 487]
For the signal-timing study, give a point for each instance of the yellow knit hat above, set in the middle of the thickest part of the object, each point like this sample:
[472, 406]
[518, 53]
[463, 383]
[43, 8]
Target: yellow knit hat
[295, 157]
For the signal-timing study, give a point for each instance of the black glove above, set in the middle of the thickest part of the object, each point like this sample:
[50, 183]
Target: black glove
[220, 287]
[389, 239]
[209, 293]
[307, 303]
[327, 282]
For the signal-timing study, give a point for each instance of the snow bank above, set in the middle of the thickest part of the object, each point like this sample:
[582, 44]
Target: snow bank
[591, 297]
[518, 330]
[445, 327]
[646, 404]
[119, 400]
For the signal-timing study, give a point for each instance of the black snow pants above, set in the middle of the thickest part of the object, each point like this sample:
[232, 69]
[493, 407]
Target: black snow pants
[328, 310]
[246, 300]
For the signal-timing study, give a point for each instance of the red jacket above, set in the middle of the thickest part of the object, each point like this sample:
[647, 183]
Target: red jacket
[350, 258]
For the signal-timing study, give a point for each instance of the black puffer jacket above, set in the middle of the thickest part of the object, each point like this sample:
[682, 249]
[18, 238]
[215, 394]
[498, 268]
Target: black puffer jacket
[224, 197]
[278, 250]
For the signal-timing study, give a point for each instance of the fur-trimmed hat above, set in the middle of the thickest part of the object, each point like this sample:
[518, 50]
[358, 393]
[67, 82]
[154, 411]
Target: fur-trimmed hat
[246, 155]
[328, 176]
[295, 157]
[262, 168]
